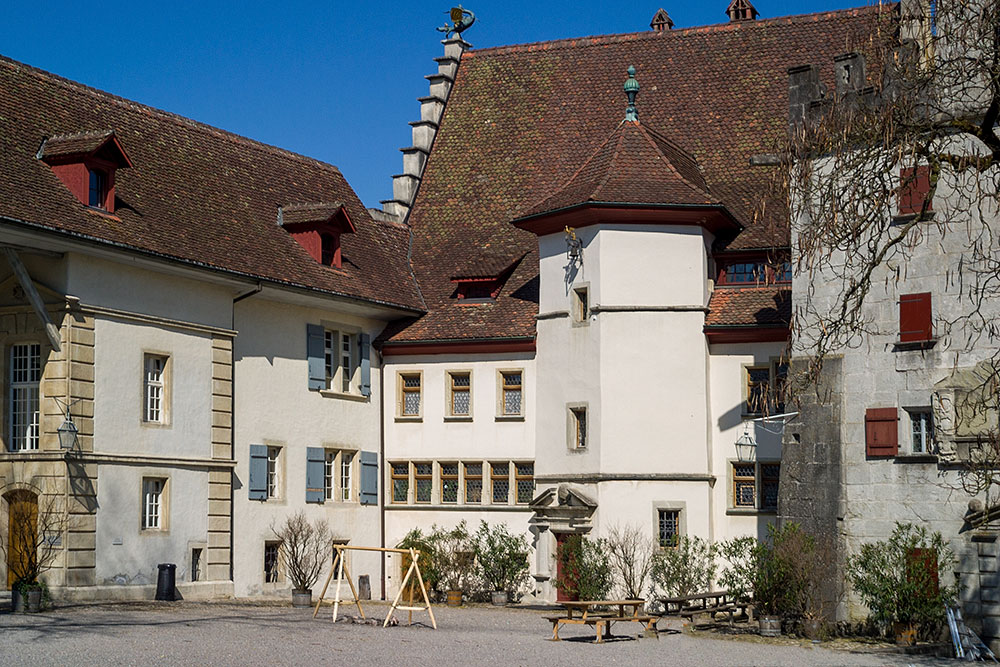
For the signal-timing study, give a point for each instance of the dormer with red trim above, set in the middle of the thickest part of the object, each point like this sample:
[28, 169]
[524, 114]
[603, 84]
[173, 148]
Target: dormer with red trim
[481, 279]
[317, 227]
[753, 268]
[86, 163]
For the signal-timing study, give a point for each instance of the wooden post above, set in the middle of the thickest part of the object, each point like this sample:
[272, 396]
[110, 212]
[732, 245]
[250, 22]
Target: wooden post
[427, 600]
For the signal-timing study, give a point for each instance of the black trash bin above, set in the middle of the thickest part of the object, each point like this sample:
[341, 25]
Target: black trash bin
[165, 581]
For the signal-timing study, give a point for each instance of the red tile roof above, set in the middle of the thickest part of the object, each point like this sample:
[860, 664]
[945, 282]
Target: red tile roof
[196, 194]
[770, 305]
[632, 166]
[521, 120]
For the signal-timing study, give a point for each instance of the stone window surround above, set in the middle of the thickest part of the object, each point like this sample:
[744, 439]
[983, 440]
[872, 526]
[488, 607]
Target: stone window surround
[436, 501]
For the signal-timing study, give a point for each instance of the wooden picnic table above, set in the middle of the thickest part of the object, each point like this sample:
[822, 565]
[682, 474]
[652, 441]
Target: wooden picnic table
[587, 613]
[712, 602]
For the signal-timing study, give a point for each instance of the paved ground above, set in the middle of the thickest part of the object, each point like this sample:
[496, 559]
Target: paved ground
[244, 634]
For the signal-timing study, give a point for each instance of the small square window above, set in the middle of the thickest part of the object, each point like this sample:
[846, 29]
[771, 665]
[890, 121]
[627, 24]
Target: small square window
[669, 523]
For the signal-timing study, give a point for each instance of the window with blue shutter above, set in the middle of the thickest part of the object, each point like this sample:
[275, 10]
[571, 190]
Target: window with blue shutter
[257, 484]
[364, 343]
[315, 462]
[369, 478]
[315, 354]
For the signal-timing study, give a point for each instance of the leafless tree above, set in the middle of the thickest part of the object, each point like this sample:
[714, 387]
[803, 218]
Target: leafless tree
[305, 549]
[912, 121]
[36, 536]
[630, 554]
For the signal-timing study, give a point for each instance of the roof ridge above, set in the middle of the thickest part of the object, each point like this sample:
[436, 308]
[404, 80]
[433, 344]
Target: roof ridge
[600, 40]
[177, 119]
[647, 134]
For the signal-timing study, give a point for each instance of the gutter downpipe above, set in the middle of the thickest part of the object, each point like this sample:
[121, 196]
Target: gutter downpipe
[381, 456]
[232, 431]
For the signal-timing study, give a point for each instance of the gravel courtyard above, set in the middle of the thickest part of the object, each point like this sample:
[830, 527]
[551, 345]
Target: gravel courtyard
[245, 634]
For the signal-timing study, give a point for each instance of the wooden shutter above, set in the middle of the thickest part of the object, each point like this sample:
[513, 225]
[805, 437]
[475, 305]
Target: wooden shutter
[881, 431]
[922, 570]
[914, 317]
[315, 462]
[914, 184]
[316, 357]
[257, 483]
[369, 478]
[364, 343]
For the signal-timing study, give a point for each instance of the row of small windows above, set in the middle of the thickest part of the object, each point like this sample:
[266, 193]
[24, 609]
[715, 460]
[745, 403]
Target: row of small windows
[510, 392]
[462, 482]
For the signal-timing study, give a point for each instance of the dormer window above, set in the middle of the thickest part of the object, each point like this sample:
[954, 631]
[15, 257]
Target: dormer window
[98, 188]
[483, 275]
[86, 163]
[478, 290]
[318, 228]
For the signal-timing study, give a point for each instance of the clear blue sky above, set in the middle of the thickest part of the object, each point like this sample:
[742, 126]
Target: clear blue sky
[331, 80]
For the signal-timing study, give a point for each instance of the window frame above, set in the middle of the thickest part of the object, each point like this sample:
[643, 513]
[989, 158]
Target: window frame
[334, 338]
[419, 476]
[274, 474]
[450, 392]
[503, 387]
[164, 385]
[580, 304]
[394, 476]
[577, 438]
[926, 432]
[467, 478]
[760, 482]
[519, 477]
[161, 503]
[346, 476]
[678, 526]
[772, 401]
[278, 574]
[445, 478]
[402, 390]
[30, 440]
[494, 478]
[102, 178]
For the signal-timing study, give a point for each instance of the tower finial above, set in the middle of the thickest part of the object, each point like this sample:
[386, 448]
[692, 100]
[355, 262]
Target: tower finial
[631, 89]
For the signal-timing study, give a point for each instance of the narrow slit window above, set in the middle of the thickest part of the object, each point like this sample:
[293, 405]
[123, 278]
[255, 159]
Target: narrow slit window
[581, 305]
[273, 471]
[346, 478]
[578, 426]
[329, 466]
[155, 393]
[346, 362]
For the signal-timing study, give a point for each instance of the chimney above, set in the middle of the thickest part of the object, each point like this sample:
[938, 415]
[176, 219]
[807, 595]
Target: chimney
[741, 10]
[661, 21]
[803, 89]
[849, 72]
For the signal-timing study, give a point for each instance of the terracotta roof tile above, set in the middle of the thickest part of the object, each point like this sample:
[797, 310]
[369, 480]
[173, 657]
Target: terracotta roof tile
[196, 194]
[742, 306]
[522, 120]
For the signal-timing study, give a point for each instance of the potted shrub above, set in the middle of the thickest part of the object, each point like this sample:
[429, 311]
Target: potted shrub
[502, 561]
[899, 580]
[585, 572]
[768, 572]
[454, 561]
[305, 551]
[38, 532]
[685, 569]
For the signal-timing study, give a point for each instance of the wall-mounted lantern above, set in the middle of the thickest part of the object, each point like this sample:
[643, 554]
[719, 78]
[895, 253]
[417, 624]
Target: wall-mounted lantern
[746, 446]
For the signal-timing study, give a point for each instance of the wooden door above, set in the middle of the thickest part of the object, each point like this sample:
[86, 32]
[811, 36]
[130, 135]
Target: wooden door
[561, 566]
[22, 533]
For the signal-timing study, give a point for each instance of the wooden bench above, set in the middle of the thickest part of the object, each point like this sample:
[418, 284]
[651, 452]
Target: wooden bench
[712, 603]
[601, 620]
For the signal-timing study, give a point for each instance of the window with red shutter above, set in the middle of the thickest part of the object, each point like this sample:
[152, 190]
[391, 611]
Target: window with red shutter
[881, 432]
[915, 317]
[914, 184]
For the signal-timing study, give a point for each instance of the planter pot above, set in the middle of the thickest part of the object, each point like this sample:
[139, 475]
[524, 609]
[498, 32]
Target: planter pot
[34, 602]
[302, 598]
[454, 598]
[770, 626]
[812, 628]
[906, 634]
[499, 598]
[17, 602]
